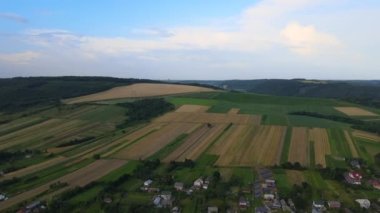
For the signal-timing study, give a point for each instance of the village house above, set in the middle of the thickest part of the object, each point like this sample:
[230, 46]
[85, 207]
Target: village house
[355, 163]
[332, 204]
[318, 206]
[107, 200]
[163, 200]
[3, 197]
[269, 196]
[198, 183]
[178, 186]
[374, 183]
[364, 203]
[148, 182]
[353, 177]
[243, 203]
[276, 204]
[212, 209]
[176, 209]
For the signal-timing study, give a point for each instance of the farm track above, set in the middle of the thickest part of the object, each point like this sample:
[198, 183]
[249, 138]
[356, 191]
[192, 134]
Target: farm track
[80, 177]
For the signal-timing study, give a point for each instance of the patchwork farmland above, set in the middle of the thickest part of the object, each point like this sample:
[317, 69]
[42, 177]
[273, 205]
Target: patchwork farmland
[230, 133]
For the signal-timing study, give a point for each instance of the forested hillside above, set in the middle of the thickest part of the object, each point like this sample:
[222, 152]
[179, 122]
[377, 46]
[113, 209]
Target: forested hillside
[17, 94]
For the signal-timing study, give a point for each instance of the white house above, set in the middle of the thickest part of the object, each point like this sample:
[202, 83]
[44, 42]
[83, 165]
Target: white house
[198, 182]
[364, 203]
[148, 182]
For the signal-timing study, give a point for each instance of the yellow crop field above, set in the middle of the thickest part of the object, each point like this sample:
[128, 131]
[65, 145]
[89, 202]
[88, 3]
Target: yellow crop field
[154, 142]
[299, 146]
[366, 135]
[196, 143]
[321, 145]
[192, 108]
[250, 146]
[355, 111]
[138, 90]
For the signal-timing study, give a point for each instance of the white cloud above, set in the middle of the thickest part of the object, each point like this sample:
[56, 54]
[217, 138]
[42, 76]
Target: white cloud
[20, 57]
[306, 40]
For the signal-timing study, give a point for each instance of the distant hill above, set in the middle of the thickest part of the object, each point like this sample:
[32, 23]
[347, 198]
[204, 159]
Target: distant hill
[362, 92]
[17, 94]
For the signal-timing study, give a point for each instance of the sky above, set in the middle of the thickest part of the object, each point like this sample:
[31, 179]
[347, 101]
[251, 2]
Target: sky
[191, 39]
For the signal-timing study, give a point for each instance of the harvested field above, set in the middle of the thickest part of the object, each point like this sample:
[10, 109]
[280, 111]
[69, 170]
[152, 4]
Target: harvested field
[192, 108]
[354, 152]
[234, 111]
[299, 146]
[80, 177]
[154, 142]
[295, 177]
[321, 145]
[366, 135]
[202, 117]
[138, 90]
[196, 143]
[251, 146]
[355, 111]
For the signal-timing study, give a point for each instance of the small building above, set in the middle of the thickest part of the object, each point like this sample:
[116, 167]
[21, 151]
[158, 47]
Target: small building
[176, 209]
[268, 196]
[148, 182]
[205, 186]
[318, 204]
[353, 177]
[332, 204]
[198, 182]
[291, 204]
[355, 163]
[212, 209]
[3, 197]
[243, 203]
[163, 200]
[276, 204]
[364, 203]
[178, 186]
[107, 200]
[375, 183]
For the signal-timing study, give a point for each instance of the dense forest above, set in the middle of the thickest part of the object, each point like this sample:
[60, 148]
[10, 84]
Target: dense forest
[17, 94]
[144, 110]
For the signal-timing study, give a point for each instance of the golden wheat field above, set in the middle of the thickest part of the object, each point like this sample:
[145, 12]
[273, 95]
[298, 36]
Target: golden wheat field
[138, 90]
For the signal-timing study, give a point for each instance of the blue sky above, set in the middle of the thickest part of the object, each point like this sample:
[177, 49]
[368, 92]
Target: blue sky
[171, 39]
